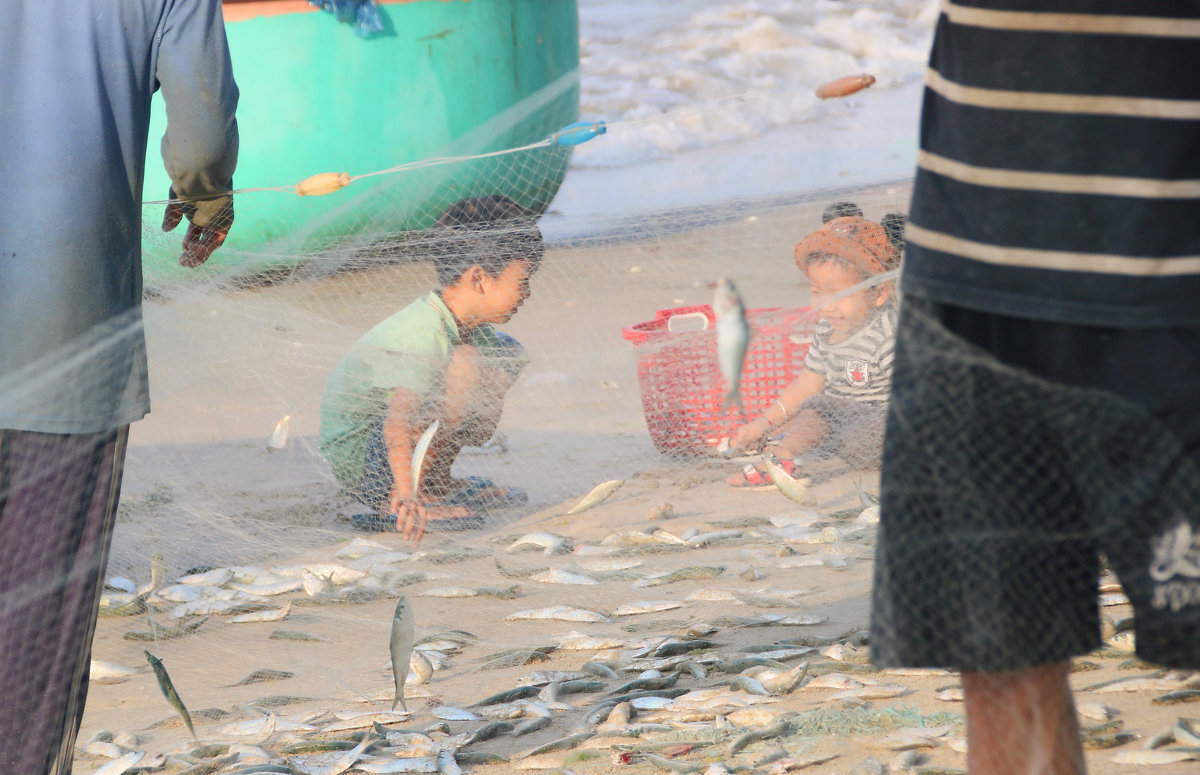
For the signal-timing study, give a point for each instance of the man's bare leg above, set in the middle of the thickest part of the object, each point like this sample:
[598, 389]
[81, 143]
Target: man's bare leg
[1022, 722]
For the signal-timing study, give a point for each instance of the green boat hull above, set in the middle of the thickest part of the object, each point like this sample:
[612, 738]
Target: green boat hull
[447, 79]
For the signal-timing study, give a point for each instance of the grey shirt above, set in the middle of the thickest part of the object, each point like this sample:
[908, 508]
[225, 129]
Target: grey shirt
[860, 366]
[74, 118]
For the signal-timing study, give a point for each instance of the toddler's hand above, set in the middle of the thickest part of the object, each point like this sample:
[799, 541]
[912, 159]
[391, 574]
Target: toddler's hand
[747, 436]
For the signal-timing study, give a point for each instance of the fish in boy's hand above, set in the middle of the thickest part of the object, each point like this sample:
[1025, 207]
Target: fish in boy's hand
[733, 336]
[418, 457]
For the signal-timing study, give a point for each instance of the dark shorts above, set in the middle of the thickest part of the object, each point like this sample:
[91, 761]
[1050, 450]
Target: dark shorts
[1017, 453]
[374, 489]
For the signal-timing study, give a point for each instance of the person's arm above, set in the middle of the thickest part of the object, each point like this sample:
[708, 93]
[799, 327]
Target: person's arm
[799, 390]
[398, 439]
[200, 146]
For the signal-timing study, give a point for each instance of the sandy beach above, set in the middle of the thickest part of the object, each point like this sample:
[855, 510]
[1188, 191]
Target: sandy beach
[203, 491]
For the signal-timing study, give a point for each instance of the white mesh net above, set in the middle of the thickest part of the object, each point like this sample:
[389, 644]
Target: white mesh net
[241, 562]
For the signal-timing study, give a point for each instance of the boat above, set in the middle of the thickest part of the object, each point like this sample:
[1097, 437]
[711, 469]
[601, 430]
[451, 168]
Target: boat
[444, 79]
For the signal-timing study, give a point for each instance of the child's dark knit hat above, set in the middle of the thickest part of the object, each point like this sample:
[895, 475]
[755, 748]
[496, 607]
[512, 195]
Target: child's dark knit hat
[864, 243]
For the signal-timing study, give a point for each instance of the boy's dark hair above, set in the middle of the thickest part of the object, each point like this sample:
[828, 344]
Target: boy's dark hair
[840, 210]
[491, 231]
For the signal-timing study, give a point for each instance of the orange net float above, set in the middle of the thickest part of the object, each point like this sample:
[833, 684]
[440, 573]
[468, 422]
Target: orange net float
[844, 86]
[323, 183]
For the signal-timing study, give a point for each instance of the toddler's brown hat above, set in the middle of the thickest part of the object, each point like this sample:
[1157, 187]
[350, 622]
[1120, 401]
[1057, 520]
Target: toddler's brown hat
[863, 242]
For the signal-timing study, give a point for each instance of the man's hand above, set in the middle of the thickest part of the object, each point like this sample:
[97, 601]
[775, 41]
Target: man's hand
[200, 241]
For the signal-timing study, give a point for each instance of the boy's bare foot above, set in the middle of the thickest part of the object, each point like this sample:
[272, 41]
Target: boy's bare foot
[442, 511]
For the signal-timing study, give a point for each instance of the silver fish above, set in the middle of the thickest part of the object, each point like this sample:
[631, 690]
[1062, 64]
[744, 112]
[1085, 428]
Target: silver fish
[420, 665]
[269, 589]
[279, 436]
[330, 763]
[552, 544]
[447, 765]
[733, 337]
[598, 495]
[450, 713]
[560, 576]
[269, 615]
[646, 607]
[168, 690]
[790, 487]
[450, 592]
[215, 577]
[262, 675]
[109, 672]
[564, 613]
[313, 584]
[394, 766]
[403, 631]
[123, 764]
[1157, 756]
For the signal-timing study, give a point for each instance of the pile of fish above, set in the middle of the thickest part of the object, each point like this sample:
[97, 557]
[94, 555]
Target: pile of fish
[755, 691]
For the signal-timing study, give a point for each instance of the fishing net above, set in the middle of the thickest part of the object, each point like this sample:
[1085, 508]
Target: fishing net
[268, 590]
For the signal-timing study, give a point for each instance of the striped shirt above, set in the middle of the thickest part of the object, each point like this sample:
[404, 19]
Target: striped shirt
[859, 367]
[1059, 169]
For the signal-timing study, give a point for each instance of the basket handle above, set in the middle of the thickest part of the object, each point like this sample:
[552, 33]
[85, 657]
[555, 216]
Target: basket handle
[685, 316]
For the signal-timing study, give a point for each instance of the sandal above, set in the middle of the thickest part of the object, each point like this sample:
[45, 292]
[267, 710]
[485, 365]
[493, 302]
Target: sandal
[372, 522]
[754, 478]
[479, 494]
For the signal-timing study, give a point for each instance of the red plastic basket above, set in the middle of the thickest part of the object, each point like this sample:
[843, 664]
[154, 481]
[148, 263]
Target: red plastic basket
[681, 383]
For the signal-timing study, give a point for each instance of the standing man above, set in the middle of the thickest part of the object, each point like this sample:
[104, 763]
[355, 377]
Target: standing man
[75, 97]
[1044, 409]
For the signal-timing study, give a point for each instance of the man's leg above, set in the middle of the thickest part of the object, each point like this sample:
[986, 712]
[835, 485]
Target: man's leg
[58, 500]
[1022, 722]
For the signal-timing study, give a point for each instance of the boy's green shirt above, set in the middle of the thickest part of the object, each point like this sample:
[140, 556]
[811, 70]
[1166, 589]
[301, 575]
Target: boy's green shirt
[410, 350]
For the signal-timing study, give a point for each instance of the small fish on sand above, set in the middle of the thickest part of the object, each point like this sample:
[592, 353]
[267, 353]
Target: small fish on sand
[296, 635]
[262, 676]
[401, 644]
[1158, 756]
[564, 613]
[598, 495]
[168, 690]
[733, 337]
[689, 573]
[450, 592]
[279, 436]
[109, 672]
[330, 763]
[449, 713]
[646, 607]
[420, 666]
[122, 764]
[268, 615]
[560, 576]
[792, 488]
[552, 544]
